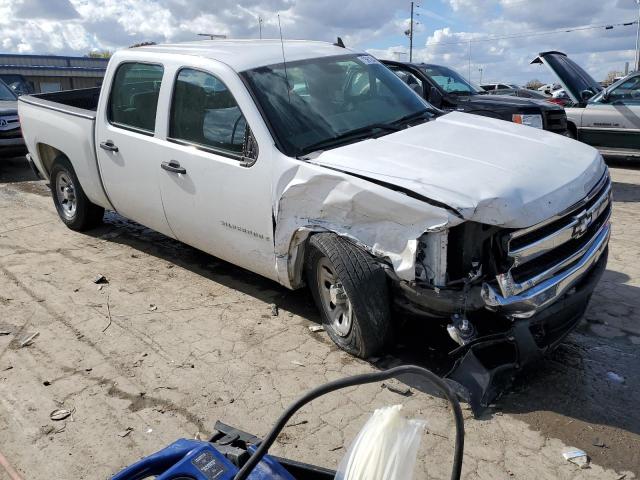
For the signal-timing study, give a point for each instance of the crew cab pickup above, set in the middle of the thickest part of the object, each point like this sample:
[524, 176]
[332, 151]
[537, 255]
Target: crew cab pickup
[446, 89]
[329, 171]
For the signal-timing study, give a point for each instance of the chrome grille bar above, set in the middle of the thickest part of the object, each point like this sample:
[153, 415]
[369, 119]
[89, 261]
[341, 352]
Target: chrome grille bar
[579, 224]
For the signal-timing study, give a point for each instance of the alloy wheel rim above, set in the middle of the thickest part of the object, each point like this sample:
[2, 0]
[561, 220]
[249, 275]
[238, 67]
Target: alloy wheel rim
[66, 194]
[335, 301]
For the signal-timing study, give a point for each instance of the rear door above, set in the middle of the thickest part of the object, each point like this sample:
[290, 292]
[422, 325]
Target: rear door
[215, 182]
[128, 152]
[613, 120]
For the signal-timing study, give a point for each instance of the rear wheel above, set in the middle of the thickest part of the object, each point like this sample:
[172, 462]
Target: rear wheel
[351, 292]
[73, 206]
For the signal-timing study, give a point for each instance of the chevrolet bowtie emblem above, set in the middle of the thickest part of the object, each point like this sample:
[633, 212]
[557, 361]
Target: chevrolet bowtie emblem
[582, 224]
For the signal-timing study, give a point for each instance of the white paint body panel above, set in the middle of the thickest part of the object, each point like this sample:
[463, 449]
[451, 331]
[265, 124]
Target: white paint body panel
[488, 170]
[493, 172]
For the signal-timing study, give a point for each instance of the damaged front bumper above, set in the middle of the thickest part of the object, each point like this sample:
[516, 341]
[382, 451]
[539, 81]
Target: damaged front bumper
[520, 314]
[486, 367]
[531, 301]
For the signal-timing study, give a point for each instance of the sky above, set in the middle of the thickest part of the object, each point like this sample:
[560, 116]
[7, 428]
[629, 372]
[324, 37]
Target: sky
[443, 31]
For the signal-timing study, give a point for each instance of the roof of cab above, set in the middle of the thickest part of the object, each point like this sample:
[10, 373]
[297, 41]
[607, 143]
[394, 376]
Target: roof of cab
[246, 54]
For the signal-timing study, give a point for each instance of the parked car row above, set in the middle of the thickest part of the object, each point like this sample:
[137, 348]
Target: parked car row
[608, 119]
[446, 89]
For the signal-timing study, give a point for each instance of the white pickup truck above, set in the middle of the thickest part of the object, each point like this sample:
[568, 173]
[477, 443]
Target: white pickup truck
[327, 170]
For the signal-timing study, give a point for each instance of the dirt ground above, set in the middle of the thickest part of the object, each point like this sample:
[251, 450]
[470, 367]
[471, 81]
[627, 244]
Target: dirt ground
[178, 339]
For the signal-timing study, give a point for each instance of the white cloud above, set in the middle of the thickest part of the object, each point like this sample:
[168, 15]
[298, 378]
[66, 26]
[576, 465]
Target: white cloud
[79, 26]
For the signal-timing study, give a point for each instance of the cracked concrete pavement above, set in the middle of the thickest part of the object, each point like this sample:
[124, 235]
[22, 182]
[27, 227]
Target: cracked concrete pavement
[178, 339]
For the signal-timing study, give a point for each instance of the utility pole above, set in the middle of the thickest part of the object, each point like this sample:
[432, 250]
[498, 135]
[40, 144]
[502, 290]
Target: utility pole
[638, 40]
[260, 26]
[411, 35]
[469, 77]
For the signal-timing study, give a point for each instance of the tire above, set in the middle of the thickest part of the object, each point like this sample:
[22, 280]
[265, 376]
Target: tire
[73, 206]
[351, 292]
[572, 132]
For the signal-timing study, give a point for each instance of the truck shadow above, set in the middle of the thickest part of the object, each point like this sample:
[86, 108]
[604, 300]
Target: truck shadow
[15, 170]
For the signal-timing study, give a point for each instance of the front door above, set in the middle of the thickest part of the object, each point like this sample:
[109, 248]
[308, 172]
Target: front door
[613, 120]
[128, 153]
[216, 189]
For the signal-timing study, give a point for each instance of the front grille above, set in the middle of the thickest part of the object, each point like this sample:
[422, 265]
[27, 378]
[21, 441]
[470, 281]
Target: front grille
[537, 253]
[555, 121]
[15, 133]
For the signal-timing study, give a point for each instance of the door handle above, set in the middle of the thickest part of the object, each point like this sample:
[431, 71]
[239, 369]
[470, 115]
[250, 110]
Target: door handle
[173, 166]
[108, 146]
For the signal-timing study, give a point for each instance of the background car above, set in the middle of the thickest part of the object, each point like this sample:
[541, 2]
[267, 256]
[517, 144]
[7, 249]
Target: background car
[608, 119]
[11, 141]
[18, 83]
[446, 89]
[489, 87]
[519, 92]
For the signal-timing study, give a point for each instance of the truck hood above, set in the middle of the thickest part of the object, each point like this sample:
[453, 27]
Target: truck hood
[8, 107]
[573, 78]
[499, 102]
[487, 170]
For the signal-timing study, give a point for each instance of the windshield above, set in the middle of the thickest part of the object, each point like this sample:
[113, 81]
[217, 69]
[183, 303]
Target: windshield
[6, 93]
[450, 80]
[332, 100]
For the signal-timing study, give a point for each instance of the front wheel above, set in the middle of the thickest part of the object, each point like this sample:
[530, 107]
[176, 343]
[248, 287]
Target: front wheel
[351, 292]
[73, 206]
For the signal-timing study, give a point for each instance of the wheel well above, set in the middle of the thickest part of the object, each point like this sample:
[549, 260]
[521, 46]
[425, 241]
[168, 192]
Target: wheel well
[573, 129]
[299, 249]
[47, 155]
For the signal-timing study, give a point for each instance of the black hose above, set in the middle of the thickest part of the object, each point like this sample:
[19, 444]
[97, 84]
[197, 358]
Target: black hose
[362, 380]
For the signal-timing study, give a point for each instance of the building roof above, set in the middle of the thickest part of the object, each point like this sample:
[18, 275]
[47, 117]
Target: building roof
[52, 65]
[246, 54]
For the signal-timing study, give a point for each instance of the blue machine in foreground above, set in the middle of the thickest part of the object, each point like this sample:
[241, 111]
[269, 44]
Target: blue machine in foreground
[232, 454]
[195, 459]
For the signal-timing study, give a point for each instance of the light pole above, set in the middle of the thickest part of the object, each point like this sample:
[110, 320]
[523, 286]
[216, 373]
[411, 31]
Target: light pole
[469, 76]
[411, 35]
[260, 26]
[638, 40]
[480, 70]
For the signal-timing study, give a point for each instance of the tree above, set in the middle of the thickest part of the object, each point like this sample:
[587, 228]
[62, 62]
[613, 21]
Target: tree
[142, 44]
[611, 77]
[100, 54]
[534, 84]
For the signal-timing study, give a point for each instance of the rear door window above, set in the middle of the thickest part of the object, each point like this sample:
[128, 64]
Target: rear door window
[205, 113]
[134, 97]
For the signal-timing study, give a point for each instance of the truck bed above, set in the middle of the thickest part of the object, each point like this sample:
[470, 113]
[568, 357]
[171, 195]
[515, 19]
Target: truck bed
[83, 102]
[63, 123]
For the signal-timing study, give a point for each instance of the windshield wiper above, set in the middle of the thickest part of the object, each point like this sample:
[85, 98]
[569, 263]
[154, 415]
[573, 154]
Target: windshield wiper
[412, 116]
[350, 135]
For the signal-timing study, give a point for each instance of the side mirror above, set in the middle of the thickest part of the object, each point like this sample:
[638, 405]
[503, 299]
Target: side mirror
[249, 148]
[606, 95]
[435, 97]
[417, 88]
[586, 95]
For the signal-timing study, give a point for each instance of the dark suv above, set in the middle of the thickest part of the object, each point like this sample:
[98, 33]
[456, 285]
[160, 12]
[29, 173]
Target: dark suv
[446, 89]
